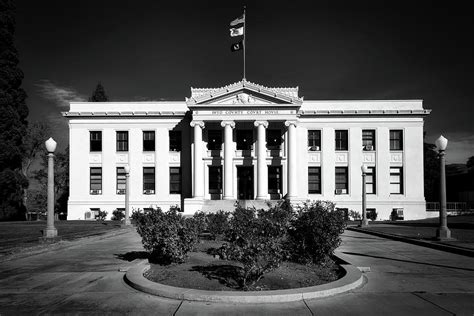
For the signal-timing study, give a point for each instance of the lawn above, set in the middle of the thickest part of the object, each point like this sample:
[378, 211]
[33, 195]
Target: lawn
[15, 236]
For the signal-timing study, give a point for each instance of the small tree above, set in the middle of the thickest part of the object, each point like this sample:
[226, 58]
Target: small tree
[101, 216]
[98, 95]
[118, 215]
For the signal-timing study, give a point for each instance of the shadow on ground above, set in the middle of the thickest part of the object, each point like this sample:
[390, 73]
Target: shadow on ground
[133, 255]
[226, 274]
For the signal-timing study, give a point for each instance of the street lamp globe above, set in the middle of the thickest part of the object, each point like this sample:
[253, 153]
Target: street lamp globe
[50, 145]
[441, 143]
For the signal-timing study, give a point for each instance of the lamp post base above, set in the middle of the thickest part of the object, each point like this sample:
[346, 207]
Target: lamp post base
[443, 233]
[50, 232]
[364, 223]
[127, 222]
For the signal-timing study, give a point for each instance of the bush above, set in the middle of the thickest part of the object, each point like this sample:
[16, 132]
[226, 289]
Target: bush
[354, 215]
[167, 236]
[315, 232]
[217, 223]
[101, 215]
[256, 239]
[200, 222]
[372, 214]
[117, 215]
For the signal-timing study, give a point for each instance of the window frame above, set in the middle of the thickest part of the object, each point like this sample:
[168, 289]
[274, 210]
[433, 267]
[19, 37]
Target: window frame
[341, 143]
[218, 188]
[97, 181]
[318, 182]
[175, 181]
[277, 180]
[346, 183]
[121, 145]
[217, 133]
[396, 143]
[400, 183]
[95, 142]
[271, 144]
[373, 184]
[149, 144]
[243, 144]
[147, 184]
[175, 141]
[314, 143]
[368, 139]
[121, 181]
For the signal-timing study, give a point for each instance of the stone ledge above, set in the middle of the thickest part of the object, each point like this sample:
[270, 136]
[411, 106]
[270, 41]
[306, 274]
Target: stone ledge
[352, 279]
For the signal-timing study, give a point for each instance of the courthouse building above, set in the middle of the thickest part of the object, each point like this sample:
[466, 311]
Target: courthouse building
[246, 142]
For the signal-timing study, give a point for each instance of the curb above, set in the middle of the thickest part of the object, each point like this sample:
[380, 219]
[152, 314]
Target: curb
[352, 279]
[428, 244]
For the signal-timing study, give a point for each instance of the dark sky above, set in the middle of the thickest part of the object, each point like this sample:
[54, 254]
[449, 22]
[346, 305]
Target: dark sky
[157, 50]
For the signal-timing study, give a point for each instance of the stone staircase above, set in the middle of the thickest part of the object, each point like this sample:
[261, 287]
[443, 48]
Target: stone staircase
[211, 206]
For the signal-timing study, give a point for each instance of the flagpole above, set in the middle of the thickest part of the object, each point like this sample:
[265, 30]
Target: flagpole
[245, 22]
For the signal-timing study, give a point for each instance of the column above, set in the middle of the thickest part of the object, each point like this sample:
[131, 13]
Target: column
[262, 170]
[291, 162]
[228, 159]
[198, 184]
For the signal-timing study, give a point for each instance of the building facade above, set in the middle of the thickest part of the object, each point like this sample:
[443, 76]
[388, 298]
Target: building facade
[246, 142]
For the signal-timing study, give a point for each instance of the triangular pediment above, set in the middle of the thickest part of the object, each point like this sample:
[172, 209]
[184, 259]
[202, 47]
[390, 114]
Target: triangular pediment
[244, 93]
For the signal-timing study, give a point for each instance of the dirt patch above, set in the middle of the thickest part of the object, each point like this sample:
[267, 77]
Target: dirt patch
[203, 271]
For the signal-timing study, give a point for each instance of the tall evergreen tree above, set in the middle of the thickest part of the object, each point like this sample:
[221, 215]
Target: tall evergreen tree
[99, 94]
[13, 124]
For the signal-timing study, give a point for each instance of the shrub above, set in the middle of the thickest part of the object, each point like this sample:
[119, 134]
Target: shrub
[354, 215]
[117, 215]
[200, 222]
[315, 232]
[372, 214]
[256, 239]
[101, 215]
[217, 223]
[167, 236]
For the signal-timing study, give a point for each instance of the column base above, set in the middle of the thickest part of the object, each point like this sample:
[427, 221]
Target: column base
[228, 198]
[443, 233]
[262, 198]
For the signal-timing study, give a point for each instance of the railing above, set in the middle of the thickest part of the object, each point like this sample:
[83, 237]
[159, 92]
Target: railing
[453, 208]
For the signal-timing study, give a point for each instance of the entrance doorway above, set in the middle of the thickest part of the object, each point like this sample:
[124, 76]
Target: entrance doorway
[245, 183]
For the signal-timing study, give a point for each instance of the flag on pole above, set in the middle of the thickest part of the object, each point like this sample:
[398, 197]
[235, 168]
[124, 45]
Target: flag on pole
[240, 19]
[237, 31]
[236, 46]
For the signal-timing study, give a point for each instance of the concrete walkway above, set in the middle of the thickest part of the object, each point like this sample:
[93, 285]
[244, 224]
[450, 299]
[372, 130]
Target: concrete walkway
[87, 278]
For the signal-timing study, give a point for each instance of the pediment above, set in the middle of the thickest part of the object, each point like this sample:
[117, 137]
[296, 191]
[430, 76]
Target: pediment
[244, 93]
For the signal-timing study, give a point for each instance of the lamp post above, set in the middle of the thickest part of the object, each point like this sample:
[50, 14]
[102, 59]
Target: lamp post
[127, 194]
[364, 222]
[442, 232]
[50, 232]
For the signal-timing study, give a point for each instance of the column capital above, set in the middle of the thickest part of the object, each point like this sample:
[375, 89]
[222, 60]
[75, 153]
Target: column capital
[264, 123]
[198, 123]
[230, 123]
[288, 123]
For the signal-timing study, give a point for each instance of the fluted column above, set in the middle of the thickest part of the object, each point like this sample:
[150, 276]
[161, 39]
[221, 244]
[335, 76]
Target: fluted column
[228, 158]
[262, 177]
[292, 190]
[198, 184]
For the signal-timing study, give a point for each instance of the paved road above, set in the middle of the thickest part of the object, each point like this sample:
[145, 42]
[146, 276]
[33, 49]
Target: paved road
[87, 278]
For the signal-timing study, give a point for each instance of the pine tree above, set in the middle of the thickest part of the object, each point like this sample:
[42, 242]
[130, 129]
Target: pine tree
[99, 94]
[13, 124]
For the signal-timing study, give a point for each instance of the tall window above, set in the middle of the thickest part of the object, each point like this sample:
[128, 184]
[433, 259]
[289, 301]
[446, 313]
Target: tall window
[121, 180]
[342, 180]
[148, 180]
[215, 179]
[273, 139]
[314, 180]
[396, 180]
[274, 179]
[368, 139]
[122, 141]
[244, 139]
[396, 139]
[175, 140]
[214, 139]
[148, 140]
[370, 187]
[175, 180]
[95, 141]
[314, 140]
[341, 140]
[95, 180]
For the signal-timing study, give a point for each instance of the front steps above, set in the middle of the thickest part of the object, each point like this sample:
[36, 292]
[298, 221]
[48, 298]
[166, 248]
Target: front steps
[211, 206]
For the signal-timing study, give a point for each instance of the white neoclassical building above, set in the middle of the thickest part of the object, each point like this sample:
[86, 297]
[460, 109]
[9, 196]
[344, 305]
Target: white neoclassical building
[247, 142]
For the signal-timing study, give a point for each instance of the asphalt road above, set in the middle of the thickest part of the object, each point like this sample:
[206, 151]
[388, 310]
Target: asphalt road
[87, 278]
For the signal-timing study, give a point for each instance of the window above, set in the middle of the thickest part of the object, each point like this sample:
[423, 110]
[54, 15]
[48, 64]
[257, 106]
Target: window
[121, 180]
[368, 139]
[96, 180]
[244, 139]
[342, 180]
[175, 140]
[314, 180]
[148, 180]
[96, 141]
[396, 140]
[370, 181]
[314, 140]
[274, 179]
[341, 140]
[175, 180]
[215, 179]
[122, 141]
[94, 211]
[214, 140]
[273, 139]
[396, 180]
[148, 140]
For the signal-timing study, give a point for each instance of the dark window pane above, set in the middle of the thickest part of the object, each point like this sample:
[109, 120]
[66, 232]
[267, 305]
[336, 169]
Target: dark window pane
[342, 180]
[396, 180]
[244, 139]
[215, 179]
[175, 180]
[214, 140]
[122, 141]
[370, 181]
[314, 140]
[149, 180]
[274, 179]
[368, 139]
[121, 180]
[341, 140]
[96, 141]
[396, 140]
[314, 180]
[149, 141]
[273, 139]
[96, 180]
[175, 140]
